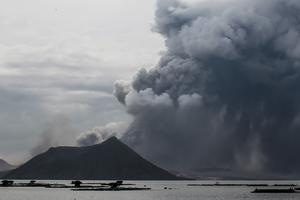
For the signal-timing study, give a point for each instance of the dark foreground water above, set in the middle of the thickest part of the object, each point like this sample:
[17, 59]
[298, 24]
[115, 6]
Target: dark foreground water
[179, 191]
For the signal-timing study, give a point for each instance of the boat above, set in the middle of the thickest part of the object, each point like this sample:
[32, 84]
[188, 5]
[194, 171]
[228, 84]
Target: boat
[272, 190]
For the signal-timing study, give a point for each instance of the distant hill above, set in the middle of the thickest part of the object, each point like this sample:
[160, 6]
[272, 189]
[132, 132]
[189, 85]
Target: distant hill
[110, 160]
[5, 166]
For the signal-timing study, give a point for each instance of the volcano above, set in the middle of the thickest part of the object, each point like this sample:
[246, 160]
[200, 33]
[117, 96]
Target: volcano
[110, 160]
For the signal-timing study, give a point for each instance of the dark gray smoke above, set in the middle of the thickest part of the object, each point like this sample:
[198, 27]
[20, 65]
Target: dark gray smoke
[226, 92]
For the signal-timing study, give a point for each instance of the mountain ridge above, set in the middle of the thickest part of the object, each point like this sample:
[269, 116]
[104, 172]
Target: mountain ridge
[5, 166]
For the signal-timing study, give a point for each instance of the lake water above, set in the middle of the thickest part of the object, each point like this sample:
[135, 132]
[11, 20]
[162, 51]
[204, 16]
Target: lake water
[179, 191]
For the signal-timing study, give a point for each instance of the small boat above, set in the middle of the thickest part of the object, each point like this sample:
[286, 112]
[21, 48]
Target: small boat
[288, 190]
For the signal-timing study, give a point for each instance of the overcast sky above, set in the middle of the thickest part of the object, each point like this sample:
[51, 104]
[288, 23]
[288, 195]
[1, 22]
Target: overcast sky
[58, 62]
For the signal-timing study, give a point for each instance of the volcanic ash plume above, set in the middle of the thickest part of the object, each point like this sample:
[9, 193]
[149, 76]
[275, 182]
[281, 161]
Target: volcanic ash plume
[226, 92]
[99, 134]
[57, 132]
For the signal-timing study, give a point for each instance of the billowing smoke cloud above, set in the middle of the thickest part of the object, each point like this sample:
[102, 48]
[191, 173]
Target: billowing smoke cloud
[99, 134]
[121, 89]
[225, 93]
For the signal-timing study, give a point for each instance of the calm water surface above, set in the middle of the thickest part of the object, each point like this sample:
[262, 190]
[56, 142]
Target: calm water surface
[179, 190]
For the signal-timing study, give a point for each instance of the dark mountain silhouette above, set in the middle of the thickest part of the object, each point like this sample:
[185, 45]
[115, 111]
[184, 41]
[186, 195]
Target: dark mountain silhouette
[109, 160]
[5, 166]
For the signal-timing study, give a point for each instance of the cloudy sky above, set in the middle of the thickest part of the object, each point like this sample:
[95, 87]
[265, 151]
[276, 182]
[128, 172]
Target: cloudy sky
[58, 62]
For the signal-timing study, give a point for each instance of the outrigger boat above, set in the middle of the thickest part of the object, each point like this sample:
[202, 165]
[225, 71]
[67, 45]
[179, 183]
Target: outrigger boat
[114, 186]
